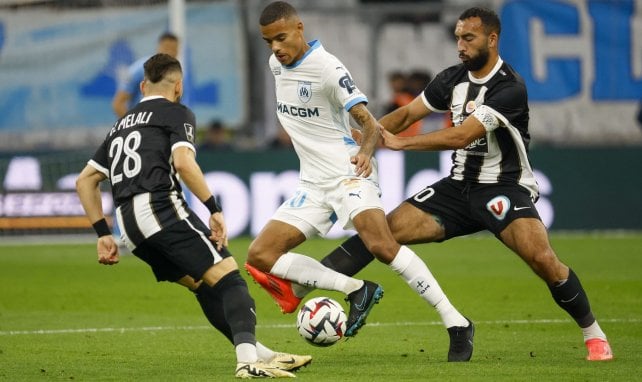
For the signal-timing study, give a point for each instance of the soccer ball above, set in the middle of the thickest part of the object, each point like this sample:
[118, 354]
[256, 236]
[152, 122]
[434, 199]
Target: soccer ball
[321, 321]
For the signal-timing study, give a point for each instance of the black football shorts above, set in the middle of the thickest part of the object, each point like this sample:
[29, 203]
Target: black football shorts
[180, 249]
[464, 208]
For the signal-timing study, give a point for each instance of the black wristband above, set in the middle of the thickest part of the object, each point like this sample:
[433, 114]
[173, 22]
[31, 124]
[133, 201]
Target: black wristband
[101, 228]
[212, 205]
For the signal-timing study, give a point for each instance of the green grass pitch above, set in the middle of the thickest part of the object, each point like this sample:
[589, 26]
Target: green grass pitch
[65, 317]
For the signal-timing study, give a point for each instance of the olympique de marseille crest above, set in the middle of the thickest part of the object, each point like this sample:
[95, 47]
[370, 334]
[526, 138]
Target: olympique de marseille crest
[304, 90]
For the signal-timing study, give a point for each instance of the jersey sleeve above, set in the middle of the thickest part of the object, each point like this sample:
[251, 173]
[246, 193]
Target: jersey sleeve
[436, 96]
[340, 87]
[503, 106]
[100, 160]
[181, 124]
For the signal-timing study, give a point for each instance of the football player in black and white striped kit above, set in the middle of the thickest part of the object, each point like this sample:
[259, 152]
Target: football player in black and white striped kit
[491, 185]
[143, 156]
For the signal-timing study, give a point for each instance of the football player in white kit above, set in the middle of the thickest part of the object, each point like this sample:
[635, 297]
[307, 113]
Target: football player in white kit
[338, 180]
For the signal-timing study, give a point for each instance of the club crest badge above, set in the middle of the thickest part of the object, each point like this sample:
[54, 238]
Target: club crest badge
[498, 206]
[304, 90]
[470, 106]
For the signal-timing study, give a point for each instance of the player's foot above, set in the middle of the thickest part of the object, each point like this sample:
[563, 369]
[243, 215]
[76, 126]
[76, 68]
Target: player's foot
[598, 350]
[461, 342]
[280, 289]
[247, 370]
[361, 302]
[289, 362]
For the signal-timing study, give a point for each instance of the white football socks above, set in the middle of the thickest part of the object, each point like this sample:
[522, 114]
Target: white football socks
[593, 331]
[307, 271]
[246, 353]
[264, 353]
[412, 269]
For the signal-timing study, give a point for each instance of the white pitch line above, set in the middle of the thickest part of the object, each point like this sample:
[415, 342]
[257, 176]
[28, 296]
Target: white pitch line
[288, 326]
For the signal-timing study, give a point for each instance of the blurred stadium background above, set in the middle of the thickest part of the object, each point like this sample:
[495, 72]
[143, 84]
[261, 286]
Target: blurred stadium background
[59, 62]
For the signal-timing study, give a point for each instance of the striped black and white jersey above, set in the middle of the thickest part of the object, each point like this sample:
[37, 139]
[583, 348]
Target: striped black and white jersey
[500, 102]
[136, 157]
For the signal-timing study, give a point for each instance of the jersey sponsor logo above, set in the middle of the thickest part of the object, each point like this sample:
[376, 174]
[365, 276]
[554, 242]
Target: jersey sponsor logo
[189, 132]
[304, 91]
[347, 83]
[295, 111]
[478, 146]
[498, 206]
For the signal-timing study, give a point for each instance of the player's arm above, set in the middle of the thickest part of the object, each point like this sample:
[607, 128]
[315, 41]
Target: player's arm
[87, 187]
[370, 137]
[119, 102]
[184, 160]
[445, 139]
[401, 118]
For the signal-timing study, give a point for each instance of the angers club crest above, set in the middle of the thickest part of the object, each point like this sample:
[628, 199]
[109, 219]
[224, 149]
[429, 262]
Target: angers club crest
[304, 90]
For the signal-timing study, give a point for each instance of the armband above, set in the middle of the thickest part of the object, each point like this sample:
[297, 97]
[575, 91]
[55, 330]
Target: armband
[101, 228]
[212, 205]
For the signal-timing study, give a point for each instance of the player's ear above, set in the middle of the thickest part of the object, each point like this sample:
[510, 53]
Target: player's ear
[142, 87]
[492, 40]
[178, 89]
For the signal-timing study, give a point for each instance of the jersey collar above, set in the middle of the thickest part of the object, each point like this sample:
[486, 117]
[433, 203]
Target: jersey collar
[149, 98]
[314, 44]
[490, 75]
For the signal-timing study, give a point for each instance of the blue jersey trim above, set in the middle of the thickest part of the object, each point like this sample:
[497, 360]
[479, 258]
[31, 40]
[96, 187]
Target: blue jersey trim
[314, 44]
[355, 101]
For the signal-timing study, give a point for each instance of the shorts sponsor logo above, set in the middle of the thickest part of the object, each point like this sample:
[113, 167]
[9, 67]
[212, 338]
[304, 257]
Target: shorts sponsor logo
[498, 206]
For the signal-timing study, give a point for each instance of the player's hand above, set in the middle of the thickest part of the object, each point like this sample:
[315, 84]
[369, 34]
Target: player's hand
[107, 250]
[356, 135]
[391, 141]
[362, 165]
[219, 230]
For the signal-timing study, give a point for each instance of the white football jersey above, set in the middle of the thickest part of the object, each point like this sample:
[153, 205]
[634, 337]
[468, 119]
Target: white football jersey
[313, 97]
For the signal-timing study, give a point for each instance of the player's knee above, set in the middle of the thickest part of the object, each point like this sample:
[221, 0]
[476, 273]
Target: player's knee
[259, 256]
[384, 250]
[546, 264]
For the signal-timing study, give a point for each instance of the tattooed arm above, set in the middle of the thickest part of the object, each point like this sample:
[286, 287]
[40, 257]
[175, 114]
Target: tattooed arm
[370, 137]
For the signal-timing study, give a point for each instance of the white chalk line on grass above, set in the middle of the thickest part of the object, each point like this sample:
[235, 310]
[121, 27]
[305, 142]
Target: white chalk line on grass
[288, 326]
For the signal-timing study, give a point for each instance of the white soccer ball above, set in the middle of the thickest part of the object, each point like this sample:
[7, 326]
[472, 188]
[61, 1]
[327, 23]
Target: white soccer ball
[321, 321]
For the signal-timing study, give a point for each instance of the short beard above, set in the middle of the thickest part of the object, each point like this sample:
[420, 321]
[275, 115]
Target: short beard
[476, 63]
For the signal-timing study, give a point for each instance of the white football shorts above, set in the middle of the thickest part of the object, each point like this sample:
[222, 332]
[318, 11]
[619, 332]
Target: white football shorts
[314, 209]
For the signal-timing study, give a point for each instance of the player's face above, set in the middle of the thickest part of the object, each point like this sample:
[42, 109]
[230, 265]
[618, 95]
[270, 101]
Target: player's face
[473, 44]
[285, 39]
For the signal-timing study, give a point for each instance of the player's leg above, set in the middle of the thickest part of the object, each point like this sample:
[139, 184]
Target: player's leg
[412, 225]
[270, 255]
[187, 251]
[528, 238]
[214, 311]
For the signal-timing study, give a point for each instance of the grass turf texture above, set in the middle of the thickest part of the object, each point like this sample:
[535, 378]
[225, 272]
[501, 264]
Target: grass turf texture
[65, 317]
